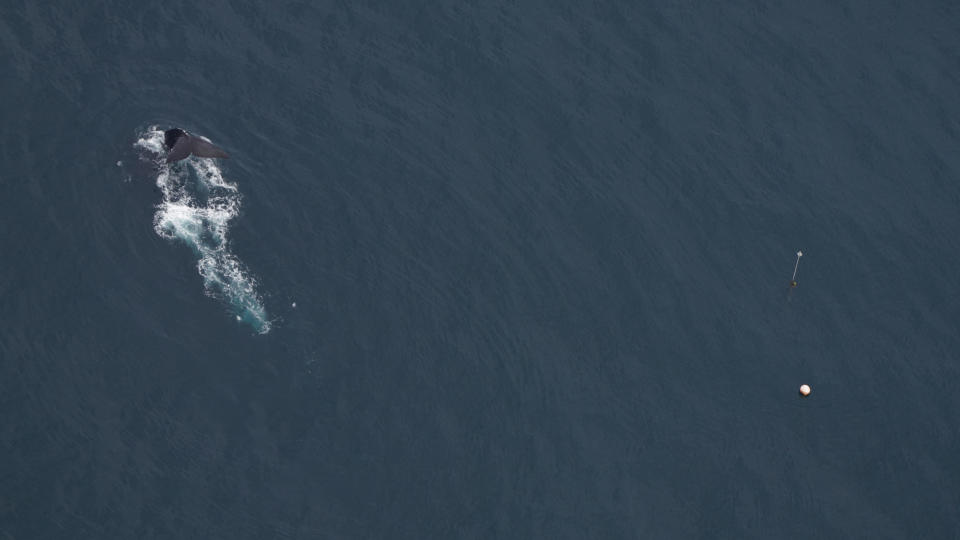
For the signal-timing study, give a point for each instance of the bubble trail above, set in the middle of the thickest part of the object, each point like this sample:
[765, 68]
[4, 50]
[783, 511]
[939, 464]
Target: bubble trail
[197, 207]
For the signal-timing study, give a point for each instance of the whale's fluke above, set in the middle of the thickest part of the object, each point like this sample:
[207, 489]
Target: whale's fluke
[181, 145]
[180, 150]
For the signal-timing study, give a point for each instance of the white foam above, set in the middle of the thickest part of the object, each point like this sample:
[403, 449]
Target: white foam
[202, 222]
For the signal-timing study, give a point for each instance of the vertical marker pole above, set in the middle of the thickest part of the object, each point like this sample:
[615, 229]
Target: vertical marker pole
[799, 254]
[793, 280]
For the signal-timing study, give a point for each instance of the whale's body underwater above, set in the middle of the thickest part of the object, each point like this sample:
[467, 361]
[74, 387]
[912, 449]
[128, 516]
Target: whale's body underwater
[181, 145]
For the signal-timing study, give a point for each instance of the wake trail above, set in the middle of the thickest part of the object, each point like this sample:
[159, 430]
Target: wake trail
[197, 207]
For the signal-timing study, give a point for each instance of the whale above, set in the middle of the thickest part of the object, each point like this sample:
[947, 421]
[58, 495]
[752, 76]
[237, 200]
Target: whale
[181, 145]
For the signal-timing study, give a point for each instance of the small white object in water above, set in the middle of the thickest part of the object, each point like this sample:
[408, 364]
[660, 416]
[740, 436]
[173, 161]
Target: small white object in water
[119, 164]
[804, 390]
[293, 305]
[238, 317]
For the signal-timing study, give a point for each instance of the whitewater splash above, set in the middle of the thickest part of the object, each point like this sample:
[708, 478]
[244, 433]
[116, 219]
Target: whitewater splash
[197, 207]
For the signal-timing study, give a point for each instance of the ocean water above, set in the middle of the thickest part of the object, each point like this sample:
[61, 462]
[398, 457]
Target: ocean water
[480, 270]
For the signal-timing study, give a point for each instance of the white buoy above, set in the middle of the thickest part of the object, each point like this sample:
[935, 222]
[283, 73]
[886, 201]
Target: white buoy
[294, 305]
[804, 390]
[238, 317]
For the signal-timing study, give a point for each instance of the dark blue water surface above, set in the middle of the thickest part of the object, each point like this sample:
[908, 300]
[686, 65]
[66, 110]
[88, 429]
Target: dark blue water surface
[539, 253]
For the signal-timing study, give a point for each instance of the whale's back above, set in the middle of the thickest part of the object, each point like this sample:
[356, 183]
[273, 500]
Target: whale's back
[181, 144]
